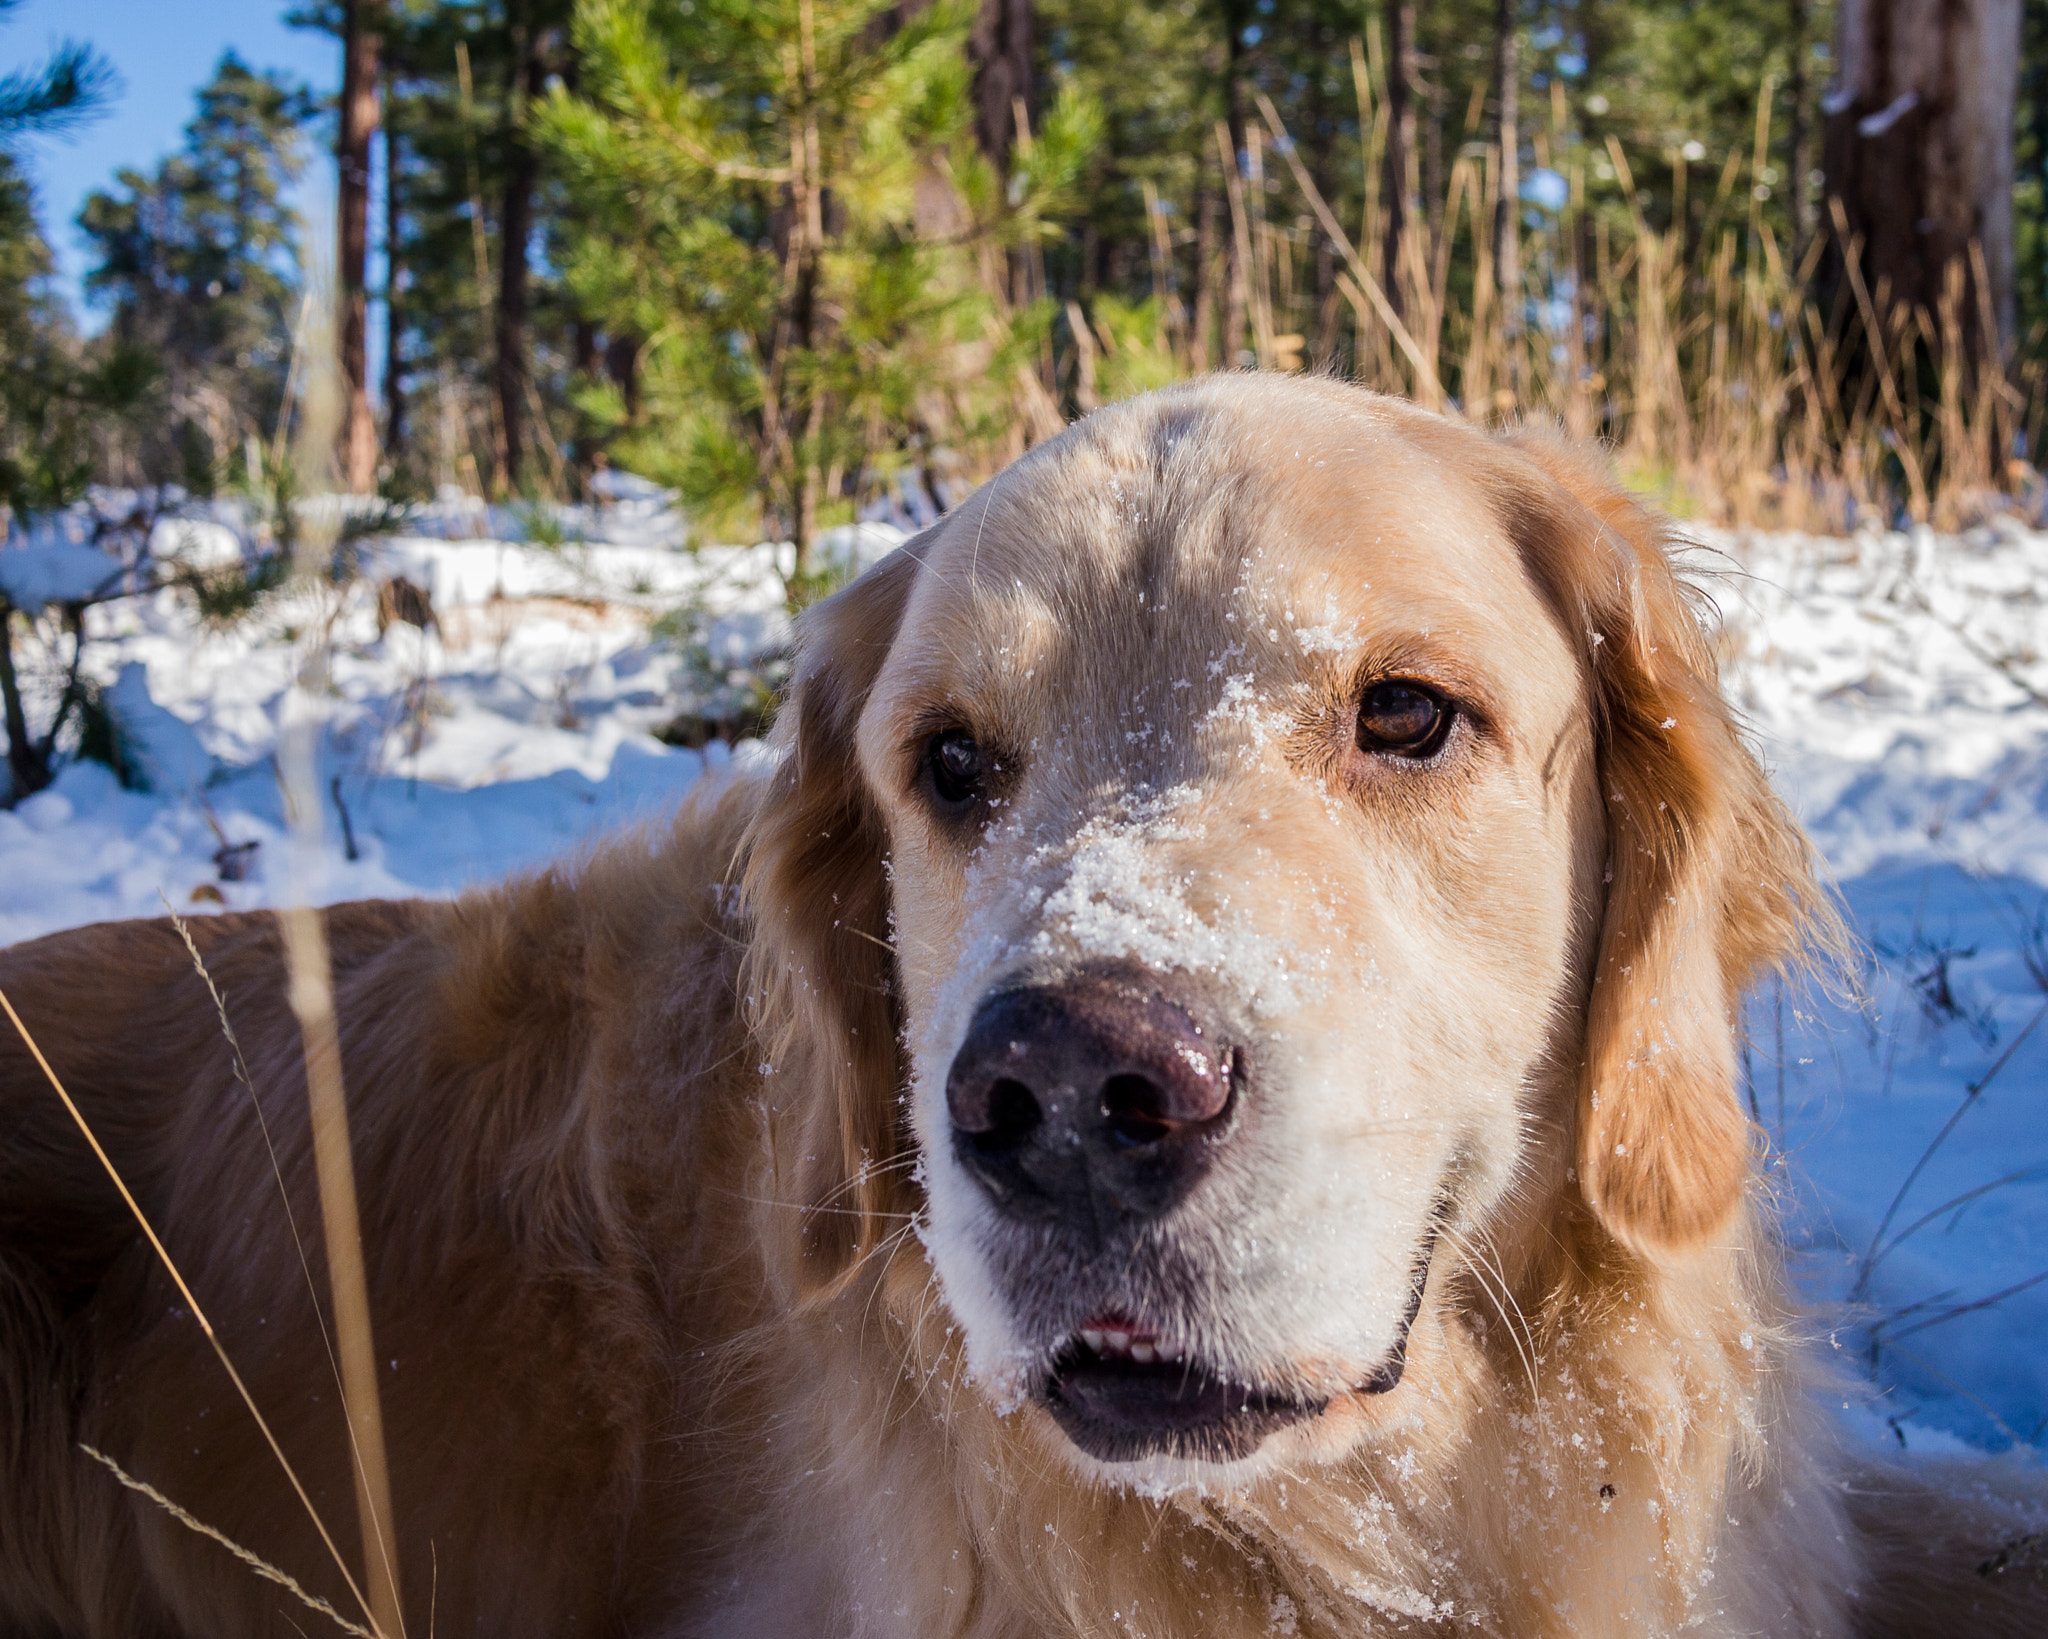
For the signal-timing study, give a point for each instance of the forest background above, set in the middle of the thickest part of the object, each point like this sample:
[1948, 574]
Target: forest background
[807, 260]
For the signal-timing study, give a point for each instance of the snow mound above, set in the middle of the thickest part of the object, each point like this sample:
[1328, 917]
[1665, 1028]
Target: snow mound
[158, 747]
[37, 573]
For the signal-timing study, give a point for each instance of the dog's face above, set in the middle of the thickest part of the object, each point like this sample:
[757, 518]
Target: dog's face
[1239, 776]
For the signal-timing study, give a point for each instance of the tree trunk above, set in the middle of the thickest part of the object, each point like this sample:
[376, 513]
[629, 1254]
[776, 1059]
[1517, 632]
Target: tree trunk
[1798, 201]
[1434, 175]
[360, 22]
[1236, 18]
[1202, 347]
[515, 231]
[1507, 222]
[1919, 151]
[622, 364]
[27, 772]
[1397, 190]
[999, 47]
[394, 316]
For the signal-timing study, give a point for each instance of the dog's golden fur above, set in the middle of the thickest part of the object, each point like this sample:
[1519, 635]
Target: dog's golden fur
[644, 1165]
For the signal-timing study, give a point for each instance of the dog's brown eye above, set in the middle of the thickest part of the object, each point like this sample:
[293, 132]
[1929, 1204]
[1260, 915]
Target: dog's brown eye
[956, 765]
[1402, 718]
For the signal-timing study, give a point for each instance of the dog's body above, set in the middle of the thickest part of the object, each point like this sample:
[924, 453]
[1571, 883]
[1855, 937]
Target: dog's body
[1196, 1098]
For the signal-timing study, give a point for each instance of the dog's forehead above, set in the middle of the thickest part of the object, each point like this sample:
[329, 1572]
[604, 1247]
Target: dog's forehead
[1199, 537]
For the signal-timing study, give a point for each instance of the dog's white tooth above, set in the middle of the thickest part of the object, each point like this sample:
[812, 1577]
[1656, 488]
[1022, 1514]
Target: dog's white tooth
[1119, 1342]
[1143, 1353]
[1166, 1350]
[1091, 1337]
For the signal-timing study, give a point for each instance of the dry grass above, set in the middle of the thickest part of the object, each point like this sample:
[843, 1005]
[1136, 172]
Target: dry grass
[261, 1566]
[379, 1629]
[1701, 354]
[310, 988]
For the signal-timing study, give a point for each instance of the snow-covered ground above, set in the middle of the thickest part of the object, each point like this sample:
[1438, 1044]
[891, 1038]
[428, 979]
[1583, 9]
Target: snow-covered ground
[1895, 683]
[1898, 686]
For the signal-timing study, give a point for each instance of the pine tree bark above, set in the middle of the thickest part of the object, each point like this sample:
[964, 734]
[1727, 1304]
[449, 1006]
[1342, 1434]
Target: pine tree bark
[394, 315]
[1237, 290]
[1507, 221]
[515, 233]
[1397, 190]
[1798, 197]
[999, 47]
[1919, 151]
[1203, 345]
[360, 39]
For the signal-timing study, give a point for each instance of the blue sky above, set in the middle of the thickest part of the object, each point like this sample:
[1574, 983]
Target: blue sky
[163, 50]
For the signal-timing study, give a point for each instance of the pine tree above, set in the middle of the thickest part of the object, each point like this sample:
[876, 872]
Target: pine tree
[789, 198]
[481, 351]
[55, 405]
[48, 396]
[200, 261]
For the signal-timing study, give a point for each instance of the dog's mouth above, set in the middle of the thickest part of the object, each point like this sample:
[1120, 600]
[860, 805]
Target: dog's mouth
[1147, 1399]
[1123, 1392]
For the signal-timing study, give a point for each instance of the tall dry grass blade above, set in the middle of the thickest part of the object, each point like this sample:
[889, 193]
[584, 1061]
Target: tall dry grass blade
[192, 1303]
[312, 1000]
[1873, 329]
[1262, 248]
[1241, 238]
[256, 1562]
[1429, 389]
[310, 990]
[291, 1218]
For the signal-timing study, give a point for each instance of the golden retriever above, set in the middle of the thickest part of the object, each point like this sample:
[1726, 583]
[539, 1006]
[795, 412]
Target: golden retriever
[1194, 1096]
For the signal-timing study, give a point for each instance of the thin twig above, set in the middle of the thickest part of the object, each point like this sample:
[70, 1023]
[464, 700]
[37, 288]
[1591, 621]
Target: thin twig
[1970, 1095]
[1961, 1309]
[1953, 1202]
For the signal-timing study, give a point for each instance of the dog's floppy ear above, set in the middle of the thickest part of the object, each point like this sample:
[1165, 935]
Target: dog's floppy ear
[819, 972]
[1708, 880]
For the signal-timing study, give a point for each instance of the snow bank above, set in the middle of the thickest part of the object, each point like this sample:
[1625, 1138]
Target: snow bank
[1897, 687]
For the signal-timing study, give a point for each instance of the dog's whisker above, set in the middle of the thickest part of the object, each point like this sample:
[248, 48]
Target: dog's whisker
[1516, 1324]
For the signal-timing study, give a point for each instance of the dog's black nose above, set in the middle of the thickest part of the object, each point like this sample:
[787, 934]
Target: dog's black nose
[1090, 1102]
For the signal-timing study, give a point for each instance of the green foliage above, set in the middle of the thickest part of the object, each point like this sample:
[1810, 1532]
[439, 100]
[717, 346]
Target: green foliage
[1137, 352]
[228, 595]
[786, 200]
[541, 524]
[2030, 175]
[199, 263]
[72, 88]
[54, 404]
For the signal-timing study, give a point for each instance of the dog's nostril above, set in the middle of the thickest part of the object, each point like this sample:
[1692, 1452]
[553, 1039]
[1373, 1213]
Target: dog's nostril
[1013, 1114]
[1098, 1100]
[1133, 1108]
